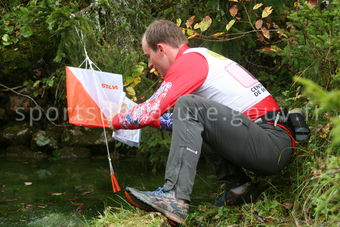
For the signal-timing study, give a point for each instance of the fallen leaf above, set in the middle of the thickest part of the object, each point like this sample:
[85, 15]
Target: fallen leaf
[258, 24]
[87, 192]
[230, 24]
[267, 11]
[269, 50]
[67, 193]
[178, 22]
[265, 32]
[260, 37]
[233, 10]
[183, 30]
[197, 26]
[55, 193]
[275, 25]
[327, 116]
[190, 21]
[312, 3]
[288, 206]
[190, 32]
[130, 91]
[192, 36]
[262, 219]
[154, 71]
[317, 173]
[282, 34]
[28, 207]
[282, 220]
[205, 23]
[325, 130]
[153, 214]
[202, 208]
[258, 5]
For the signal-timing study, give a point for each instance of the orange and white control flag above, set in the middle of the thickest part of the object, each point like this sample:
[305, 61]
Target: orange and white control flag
[92, 95]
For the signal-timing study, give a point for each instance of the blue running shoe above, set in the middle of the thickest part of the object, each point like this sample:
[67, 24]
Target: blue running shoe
[165, 202]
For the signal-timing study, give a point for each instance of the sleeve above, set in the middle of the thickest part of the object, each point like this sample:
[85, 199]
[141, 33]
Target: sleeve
[184, 76]
[166, 121]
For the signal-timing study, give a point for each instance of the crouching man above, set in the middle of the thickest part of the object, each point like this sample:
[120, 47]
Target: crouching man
[220, 110]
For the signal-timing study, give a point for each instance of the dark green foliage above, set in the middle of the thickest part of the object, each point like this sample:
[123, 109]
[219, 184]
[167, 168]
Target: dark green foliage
[155, 147]
[26, 30]
[312, 49]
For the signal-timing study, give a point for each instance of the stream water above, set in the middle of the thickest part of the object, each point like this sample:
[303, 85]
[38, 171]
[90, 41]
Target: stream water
[76, 189]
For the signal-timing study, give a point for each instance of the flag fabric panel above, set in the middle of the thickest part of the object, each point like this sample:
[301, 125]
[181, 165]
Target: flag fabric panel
[93, 97]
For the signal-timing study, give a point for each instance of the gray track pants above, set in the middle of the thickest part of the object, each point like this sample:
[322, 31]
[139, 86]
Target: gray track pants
[228, 139]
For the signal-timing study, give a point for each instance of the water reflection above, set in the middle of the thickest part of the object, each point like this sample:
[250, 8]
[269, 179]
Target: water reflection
[30, 189]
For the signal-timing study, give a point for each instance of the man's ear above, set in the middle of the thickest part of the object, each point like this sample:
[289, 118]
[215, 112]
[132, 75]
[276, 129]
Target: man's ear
[161, 47]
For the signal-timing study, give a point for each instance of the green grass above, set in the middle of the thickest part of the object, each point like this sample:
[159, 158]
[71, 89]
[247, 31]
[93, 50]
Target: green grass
[305, 194]
[114, 216]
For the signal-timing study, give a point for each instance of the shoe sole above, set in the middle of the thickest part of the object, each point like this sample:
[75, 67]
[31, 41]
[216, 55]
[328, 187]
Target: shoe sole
[136, 202]
[172, 218]
[172, 223]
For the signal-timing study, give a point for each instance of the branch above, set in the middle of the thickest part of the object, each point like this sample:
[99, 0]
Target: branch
[240, 35]
[249, 20]
[9, 89]
[30, 98]
[84, 9]
[262, 66]
[206, 38]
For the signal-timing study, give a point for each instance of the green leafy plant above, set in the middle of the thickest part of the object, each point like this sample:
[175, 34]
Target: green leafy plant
[312, 47]
[155, 146]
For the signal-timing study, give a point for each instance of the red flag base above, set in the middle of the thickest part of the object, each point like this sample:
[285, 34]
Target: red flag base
[115, 185]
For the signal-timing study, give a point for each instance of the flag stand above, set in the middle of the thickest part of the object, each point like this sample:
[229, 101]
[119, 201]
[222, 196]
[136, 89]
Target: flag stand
[114, 182]
[88, 61]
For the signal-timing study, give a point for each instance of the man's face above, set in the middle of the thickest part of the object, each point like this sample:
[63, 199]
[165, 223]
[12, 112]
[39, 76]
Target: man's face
[156, 59]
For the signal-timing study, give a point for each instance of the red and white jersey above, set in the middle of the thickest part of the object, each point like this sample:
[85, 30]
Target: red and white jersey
[204, 73]
[230, 84]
